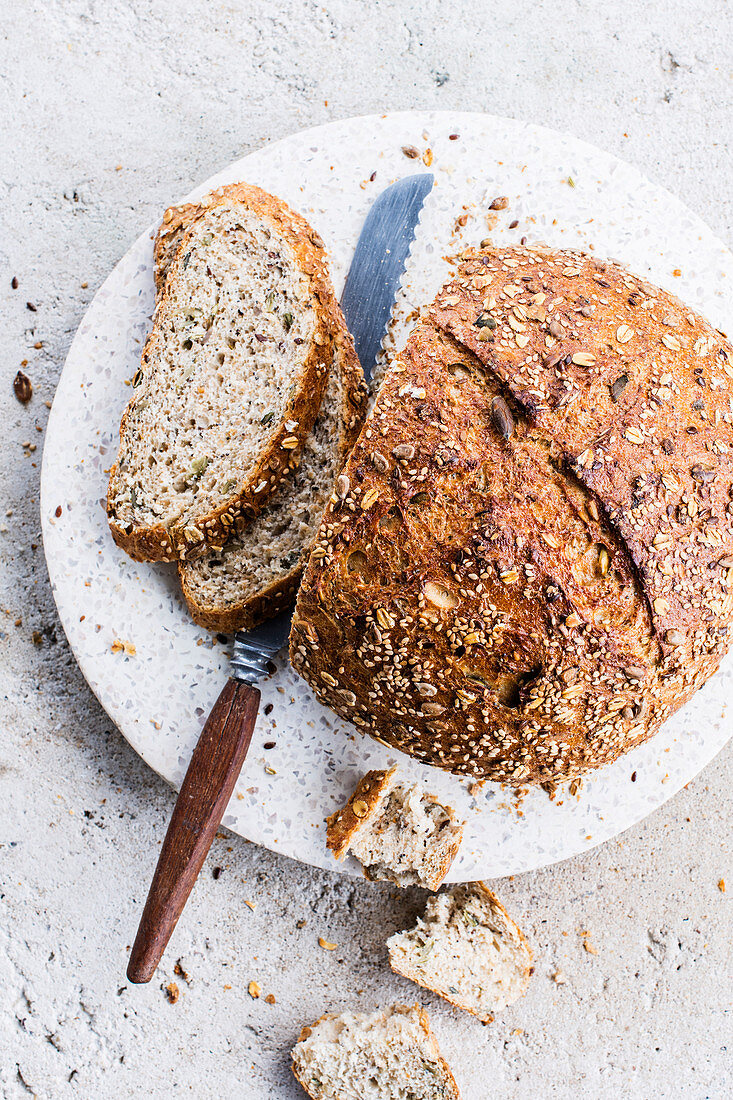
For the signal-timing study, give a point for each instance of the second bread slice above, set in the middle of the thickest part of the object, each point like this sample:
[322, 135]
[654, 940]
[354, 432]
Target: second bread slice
[257, 572]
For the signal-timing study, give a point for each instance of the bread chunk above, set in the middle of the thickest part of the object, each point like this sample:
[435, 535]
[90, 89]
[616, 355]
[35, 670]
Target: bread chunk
[533, 565]
[399, 834]
[257, 572]
[390, 1055]
[467, 949]
[231, 377]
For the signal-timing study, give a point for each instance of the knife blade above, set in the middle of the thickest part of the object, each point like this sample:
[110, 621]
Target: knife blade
[369, 294]
[379, 263]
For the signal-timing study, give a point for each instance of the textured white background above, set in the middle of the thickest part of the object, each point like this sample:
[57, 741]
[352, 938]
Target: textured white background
[109, 110]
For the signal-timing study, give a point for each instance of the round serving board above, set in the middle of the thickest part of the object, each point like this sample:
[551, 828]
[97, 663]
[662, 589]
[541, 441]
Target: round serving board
[157, 674]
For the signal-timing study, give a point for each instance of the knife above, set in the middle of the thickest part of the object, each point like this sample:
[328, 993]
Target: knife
[369, 294]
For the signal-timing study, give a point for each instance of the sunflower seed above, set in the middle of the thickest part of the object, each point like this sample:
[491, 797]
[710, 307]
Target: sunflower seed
[342, 486]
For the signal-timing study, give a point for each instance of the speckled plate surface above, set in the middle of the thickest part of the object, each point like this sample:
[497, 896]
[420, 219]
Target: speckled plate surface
[157, 674]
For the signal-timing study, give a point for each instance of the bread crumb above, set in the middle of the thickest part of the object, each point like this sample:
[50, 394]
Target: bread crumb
[251, 904]
[270, 999]
[588, 945]
[721, 885]
[326, 944]
[254, 990]
[172, 992]
[179, 971]
[559, 978]
[123, 647]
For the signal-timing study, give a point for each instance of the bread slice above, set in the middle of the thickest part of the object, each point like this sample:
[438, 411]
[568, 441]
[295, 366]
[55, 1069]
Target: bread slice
[257, 572]
[231, 377]
[467, 949]
[390, 1055]
[399, 834]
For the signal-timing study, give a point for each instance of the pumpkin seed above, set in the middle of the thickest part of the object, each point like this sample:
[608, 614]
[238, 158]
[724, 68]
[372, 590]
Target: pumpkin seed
[502, 417]
[618, 387]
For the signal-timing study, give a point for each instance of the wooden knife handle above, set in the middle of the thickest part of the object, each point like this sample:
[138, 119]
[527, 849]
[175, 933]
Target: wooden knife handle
[216, 762]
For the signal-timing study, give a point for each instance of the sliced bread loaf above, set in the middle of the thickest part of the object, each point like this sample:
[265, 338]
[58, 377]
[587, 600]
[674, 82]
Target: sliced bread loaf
[390, 1055]
[399, 834]
[467, 949]
[231, 377]
[256, 573]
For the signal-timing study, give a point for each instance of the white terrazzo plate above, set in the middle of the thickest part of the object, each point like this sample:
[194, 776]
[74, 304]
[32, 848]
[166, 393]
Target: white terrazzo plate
[160, 690]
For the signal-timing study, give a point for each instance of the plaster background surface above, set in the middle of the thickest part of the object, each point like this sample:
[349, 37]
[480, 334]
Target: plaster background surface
[108, 111]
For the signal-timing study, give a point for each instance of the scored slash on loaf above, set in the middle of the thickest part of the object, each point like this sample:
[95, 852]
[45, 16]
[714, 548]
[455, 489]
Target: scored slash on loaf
[530, 565]
[231, 376]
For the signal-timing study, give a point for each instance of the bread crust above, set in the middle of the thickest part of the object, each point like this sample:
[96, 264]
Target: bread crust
[343, 825]
[281, 592]
[630, 406]
[431, 1042]
[414, 976]
[161, 543]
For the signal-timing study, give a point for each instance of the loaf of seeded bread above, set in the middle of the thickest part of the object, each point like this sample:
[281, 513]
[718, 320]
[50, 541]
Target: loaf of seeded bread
[467, 949]
[231, 376]
[257, 572]
[390, 1055]
[399, 834]
[529, 565]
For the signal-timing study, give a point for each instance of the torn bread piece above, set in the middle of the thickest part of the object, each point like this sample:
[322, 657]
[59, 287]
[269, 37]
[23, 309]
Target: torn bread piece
[467, 949]
[399, 834]
[390, 1055]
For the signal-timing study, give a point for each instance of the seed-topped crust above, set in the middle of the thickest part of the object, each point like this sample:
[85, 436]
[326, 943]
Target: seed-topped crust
[281, 452]
[529, 591]
[344, 824]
